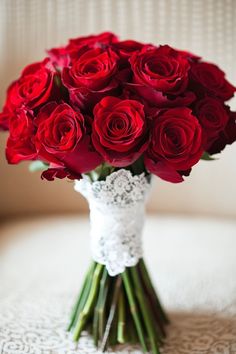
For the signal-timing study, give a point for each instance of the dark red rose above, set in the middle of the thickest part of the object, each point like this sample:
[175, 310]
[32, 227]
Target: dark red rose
[119, 130]
[190, 56]
[176, 144]
[101, 38]
[92, 76]
[63, 56]
[159, 71]
[158, 99]
[20, 145]
[213, 117]
[95, 41]
[226, 137]
[5, 118]
[126, 48]
[62, 139]
[58, 172]
[94, 70]
[208, 78]
[33, 88]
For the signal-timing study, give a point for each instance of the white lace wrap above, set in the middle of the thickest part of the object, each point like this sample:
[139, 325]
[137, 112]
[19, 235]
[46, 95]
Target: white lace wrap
[117, 212]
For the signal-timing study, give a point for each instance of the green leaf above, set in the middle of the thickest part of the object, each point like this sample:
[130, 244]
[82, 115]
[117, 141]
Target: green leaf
[207, 157]
[38, 166]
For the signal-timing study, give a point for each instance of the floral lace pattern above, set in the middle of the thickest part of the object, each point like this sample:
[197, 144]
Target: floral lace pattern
[39, 328]
[117, 213]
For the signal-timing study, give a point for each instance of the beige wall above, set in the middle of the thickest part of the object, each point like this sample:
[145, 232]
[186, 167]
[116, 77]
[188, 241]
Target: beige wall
[207, 27]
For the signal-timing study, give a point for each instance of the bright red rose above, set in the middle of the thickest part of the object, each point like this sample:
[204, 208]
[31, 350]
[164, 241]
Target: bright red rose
[20, 145]
[176, 144]
[119, 130]
[213, 118]
[226, 137]
[208, 78]
[33, 88]
[159, 70]
[92, 76]
[62, 139]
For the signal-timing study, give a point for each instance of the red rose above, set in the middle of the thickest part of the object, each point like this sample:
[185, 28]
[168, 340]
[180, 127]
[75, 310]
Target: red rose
[63, 56]
[59, 57]
[209, 78]
[62, 139]
[58, 172]
[5, 118]
[92, 76]
[190, 56]
[8, 109]
[119, 130]
[159, 71]
[213, 118]
[20, 144]
[94, 41]
[126, 48]
[176, 144]
[226, 137]
[157, 99]
[33, 87]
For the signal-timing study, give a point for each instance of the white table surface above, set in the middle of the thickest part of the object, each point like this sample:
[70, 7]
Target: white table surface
[192, 261]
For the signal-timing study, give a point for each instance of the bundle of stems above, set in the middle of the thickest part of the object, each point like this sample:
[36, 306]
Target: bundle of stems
[119, 310]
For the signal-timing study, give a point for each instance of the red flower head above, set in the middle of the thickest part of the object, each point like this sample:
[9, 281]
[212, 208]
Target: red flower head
[20, 145]
[62, 139]
[176, 144]
[159, 69]
[213, 117]
[208, 78]
[91, 77]
[119, 130]
[33, 88]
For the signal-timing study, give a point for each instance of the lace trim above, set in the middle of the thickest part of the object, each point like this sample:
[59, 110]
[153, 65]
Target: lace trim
[117, 213]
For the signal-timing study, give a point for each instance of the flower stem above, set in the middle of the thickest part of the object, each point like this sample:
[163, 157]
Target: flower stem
[99, 309]
[146, 312]
[82, 294]
[102, 309]
[112, 312]
[134, 310]
[159, 323]
[152, 291]
[84, 314]
[119, 309]
[121, 318]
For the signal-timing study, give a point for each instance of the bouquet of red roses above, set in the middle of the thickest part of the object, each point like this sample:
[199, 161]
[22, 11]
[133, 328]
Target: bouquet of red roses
[111, 113]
